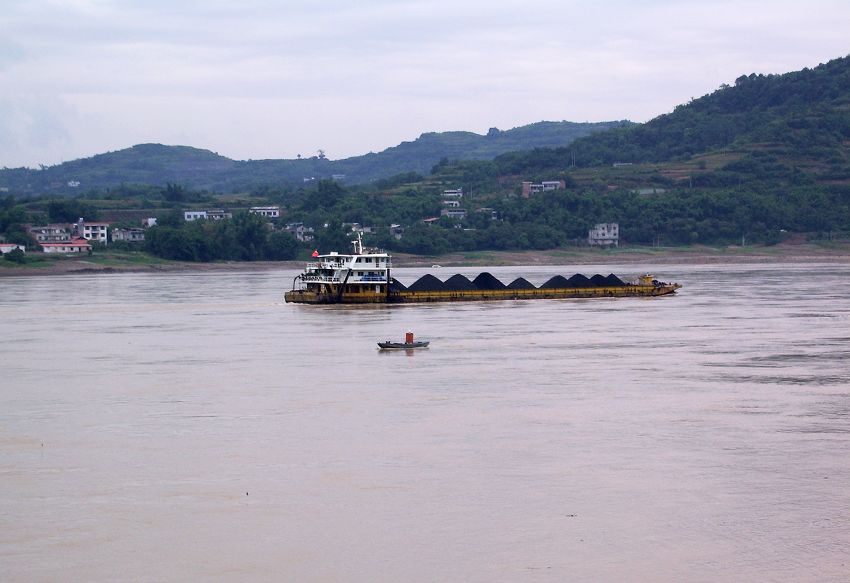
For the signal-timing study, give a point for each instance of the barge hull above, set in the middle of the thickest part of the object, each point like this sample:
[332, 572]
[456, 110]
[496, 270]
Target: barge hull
[412, 297]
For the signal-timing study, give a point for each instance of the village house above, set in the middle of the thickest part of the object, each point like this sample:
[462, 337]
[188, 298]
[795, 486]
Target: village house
[128, 235]
[300, 232]
[54, 233]
[92, 231]
[357, 228]
[529, 188]
[74, 246]
[194, 215]
[453, 213]
[212, 215]
[453, 193]
[651, 190]
[604, 235]
[271, 212]
[218, 215]
[494, 216]
[396, 231]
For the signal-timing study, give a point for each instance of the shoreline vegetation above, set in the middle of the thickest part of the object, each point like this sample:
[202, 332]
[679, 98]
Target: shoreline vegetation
[117, 262]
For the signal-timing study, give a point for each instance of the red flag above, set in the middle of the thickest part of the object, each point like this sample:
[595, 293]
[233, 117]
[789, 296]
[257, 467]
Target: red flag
[316, 253]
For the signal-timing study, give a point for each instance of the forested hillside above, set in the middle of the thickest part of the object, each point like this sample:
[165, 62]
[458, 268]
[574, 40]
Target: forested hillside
[156, 164]
[801, 118]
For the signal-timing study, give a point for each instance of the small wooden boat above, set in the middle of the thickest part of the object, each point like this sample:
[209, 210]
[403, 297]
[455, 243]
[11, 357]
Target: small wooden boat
[408, 343]
[388, 345]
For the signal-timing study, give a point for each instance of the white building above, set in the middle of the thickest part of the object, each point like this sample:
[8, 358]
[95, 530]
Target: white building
[604, 235]
[6, 247]
[194, 215]
[453, 213]
[453, 193]
[212, 215]
[271, 212]
[75, 246]
[529, 188]
[452, 203]
[92, 231]
[357, 228]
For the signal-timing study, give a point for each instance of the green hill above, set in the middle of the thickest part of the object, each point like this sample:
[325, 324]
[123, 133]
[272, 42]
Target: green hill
[157, 164]
[765, 126]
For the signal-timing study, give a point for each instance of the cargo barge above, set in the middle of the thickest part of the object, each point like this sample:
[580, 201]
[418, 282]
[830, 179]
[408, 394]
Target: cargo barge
[364, 277]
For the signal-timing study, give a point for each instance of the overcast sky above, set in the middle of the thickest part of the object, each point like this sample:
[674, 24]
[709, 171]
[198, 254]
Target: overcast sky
[262, 79]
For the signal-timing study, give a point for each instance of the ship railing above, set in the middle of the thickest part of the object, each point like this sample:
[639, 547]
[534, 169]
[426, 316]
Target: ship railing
[320, 278]
[377, 278]
[325, 265]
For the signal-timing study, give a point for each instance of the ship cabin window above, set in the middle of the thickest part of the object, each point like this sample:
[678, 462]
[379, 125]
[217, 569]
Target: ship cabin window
[368, 260]
[358, 260]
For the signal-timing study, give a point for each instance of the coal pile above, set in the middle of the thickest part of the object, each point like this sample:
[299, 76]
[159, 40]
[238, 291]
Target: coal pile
[486, 281]
[578, 280]
[556, 282]
[458, 283]
[614, 281]
[521, 283]
[427, 283]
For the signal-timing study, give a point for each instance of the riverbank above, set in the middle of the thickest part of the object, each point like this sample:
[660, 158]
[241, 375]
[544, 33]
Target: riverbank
[803, 252]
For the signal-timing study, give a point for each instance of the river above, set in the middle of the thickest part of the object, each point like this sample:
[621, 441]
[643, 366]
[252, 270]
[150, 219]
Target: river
[192, 426]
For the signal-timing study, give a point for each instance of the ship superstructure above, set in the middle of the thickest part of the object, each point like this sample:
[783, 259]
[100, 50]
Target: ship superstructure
[360, 277]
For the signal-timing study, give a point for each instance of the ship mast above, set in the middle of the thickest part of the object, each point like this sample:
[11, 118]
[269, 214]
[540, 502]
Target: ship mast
[358, 244]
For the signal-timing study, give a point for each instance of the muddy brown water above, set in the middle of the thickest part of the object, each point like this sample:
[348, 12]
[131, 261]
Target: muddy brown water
[192, 426]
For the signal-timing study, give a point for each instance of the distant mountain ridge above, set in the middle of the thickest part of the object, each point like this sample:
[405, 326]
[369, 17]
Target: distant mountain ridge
[159, 164]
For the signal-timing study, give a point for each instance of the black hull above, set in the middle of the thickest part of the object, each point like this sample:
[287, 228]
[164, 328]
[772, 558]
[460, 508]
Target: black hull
[402, 345]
